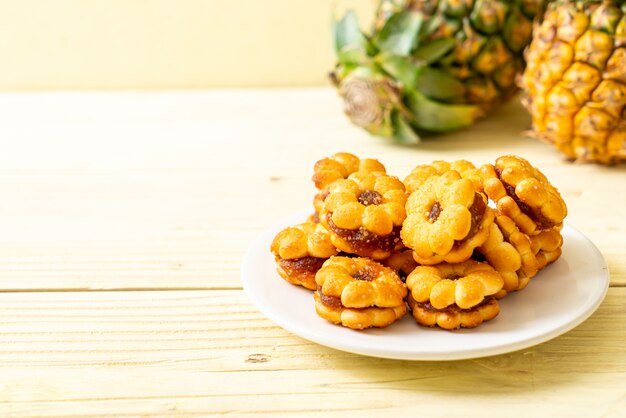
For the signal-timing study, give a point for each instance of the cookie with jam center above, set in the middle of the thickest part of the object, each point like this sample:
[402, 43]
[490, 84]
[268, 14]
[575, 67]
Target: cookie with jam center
[364, 214]
[524, 194]
[300, 251]
[359, 293]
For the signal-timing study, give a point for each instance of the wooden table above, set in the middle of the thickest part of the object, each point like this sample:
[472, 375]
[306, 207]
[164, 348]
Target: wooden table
[125, 218]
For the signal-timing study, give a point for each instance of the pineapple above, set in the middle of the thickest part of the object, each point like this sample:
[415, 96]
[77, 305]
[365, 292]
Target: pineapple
[575, 82]
[431, 66]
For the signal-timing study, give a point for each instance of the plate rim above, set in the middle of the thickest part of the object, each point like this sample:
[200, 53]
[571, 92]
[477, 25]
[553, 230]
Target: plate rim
[412, 355]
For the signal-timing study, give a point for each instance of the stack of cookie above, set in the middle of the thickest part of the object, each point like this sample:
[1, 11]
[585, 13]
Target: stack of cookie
[460, 236]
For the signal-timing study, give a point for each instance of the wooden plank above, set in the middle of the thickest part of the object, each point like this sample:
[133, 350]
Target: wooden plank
[194, 353]
[167, 190]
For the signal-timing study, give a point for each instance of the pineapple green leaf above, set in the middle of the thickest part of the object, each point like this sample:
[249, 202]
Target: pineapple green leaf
[384, 130]
[438, 85]
[350, 43]
[403, 133]
[402, 69]
[440, 117]
[400, 33]
[433, 51]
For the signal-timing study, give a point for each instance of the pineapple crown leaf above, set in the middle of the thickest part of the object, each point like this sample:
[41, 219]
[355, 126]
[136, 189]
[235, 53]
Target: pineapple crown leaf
[440, 117]
[403, 132]
[433, 51]
[439, 85]
[402, 69]
[410, 75]
[350, 43]
[399, 35]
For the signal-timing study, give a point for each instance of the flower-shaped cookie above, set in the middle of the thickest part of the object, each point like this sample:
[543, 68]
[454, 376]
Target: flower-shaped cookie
[339, 166]
[360, 283]
[524, 194]
[364, 214]
[504, 258]
[362, 318]
[464, 284]
[421, 173]
[523, 245]
[547, 246]
[446, 219]
[509, 251]
[453, 317]
[300, 251]
[359, 293]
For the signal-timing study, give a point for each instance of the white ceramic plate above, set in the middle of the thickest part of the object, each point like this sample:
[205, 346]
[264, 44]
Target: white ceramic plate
[558, 299]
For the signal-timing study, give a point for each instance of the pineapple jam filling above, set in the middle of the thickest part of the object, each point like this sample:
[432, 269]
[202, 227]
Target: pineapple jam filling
[477, 211]
[301, 265]
[535, 215]
[366, 275]
[434, 213]
[330, 301]
[370, 197]
[452, 308]
[362, 239]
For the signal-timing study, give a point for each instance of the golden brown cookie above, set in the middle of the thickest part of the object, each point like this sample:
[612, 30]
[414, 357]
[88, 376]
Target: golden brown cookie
[464, 284]
[402, 262]
[453, 317]
[339, 166]
[547, 246]
[421, 173]
[447, 218]
[418, 176]
[360, 283]
[522, 244]
[357, 318]
[509, 251]
[504, 258]
[359, 293]
[364, 214]
[522, 193]
[300, 251]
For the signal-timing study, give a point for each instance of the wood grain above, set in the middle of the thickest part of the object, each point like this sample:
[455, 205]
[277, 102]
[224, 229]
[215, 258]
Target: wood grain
[168, 353]
[210, 352]
[167, 190]
[125, 220]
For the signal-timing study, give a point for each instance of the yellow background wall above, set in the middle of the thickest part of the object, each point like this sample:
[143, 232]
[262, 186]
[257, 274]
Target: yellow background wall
[155, 44]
